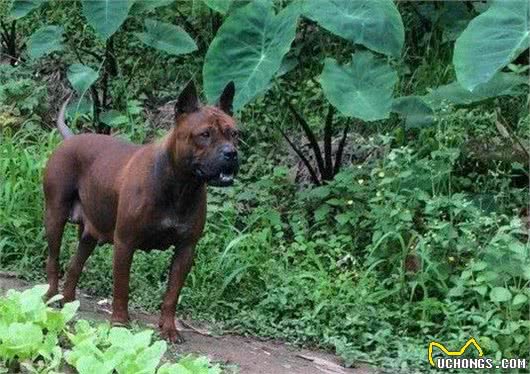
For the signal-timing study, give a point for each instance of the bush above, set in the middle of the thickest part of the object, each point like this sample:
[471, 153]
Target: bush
[33, 336]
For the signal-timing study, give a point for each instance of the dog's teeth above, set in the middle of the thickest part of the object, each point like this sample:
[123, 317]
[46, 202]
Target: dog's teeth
[226, 177]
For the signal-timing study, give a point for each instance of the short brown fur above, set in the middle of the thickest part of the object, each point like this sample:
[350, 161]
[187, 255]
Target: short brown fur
[138, 197]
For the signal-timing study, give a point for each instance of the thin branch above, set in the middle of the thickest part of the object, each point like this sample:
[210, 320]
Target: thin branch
[327, 143]
[311, 137]
[304, 159]
[340, 150]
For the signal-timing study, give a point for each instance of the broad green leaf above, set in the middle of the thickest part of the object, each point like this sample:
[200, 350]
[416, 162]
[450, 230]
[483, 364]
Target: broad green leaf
[166, 37]
[416, 112]
[141, 339]
[23, 339]
[106, 16]
[77, 107]
[81, 77]
[120, 336]
[362, 89]
[45, 40]
[500, 294]
[248, 49]
[502, 84]
[375, 24]
[149, 5]
[20, 8]
[69, 310]
[150, 357]
[491, 41]
[220, 6]
[90, 365]
[519, 299]
[113, 118]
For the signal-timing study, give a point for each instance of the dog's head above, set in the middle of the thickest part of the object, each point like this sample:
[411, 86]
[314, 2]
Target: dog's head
[206, 136]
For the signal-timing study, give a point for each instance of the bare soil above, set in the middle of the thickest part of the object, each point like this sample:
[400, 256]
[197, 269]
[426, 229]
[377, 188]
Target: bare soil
[244, 354]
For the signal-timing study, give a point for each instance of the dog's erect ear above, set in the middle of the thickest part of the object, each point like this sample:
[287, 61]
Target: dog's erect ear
[187, 102]
[227, 97]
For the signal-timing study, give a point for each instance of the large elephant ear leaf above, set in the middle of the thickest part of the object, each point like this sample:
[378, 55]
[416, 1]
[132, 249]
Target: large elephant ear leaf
[20, 8]
[220, 6]
[81, 77]
[491, 41]
[414, 110]
[376, 24]
[502, 84]
[45, 40]
[362, 89]
[166, 37]
[106, 16]
[248, 50]
[149, 5]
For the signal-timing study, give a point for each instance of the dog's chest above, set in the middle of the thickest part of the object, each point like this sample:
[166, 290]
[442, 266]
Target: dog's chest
[164, 232]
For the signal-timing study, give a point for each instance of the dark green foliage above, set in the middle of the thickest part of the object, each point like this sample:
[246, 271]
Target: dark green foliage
[419, 236]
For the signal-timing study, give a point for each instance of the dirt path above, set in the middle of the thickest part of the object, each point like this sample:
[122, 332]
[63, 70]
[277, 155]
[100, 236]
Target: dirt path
[246, 354]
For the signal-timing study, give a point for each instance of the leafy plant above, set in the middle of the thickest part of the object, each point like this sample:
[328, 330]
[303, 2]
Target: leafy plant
[264, 41]
[105, 17]
[30, 329]
[491, 41]
[31, 335]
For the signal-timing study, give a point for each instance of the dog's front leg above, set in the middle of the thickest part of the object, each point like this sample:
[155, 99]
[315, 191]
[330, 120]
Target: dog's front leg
[180, 267]
[122, 260]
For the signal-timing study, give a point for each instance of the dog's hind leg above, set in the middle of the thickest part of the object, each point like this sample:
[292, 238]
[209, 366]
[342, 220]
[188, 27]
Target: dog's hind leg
[55, 220]
[86, 246]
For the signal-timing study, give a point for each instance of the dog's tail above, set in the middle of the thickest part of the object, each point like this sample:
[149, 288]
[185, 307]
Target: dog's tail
[61, 124]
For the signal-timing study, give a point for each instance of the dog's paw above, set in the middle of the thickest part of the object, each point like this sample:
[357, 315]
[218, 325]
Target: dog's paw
[120, 320]
[171, 334]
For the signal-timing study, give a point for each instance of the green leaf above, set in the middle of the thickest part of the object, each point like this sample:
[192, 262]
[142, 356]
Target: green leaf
[491, 41]
[248, 49]
[375, 24]
[149, 5]
[220, 6]
[20, 8]
[500, 294]
[120, 336]
[416, 112]
[519, 299]
[113, 118]
[166, 37]
[24, 339]
[149, 358]
[502, 84]
[76, 107]
[81, 77]
[69, 310]
[362, 89]
[90, 365]
[106, 16]
[45, 40]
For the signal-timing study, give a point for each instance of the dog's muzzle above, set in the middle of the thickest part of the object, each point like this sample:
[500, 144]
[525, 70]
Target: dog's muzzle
[221, 171]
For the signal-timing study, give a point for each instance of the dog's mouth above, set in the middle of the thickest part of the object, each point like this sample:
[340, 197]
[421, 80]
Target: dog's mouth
[223, 179]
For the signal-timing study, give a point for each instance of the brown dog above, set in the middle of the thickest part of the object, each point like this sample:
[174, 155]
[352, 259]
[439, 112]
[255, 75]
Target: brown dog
[139, 197]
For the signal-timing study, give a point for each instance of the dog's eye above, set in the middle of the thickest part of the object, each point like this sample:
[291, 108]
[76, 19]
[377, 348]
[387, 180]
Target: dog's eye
[205, 134]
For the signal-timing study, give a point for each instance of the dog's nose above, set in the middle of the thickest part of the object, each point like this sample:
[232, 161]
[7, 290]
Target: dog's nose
[229, 152]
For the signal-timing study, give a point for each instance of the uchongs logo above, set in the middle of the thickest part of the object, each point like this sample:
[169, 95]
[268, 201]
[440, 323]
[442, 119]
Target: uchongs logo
[472, 341]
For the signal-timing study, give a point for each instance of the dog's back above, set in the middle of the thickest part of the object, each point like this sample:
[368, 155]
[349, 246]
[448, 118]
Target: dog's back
[81, 165]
